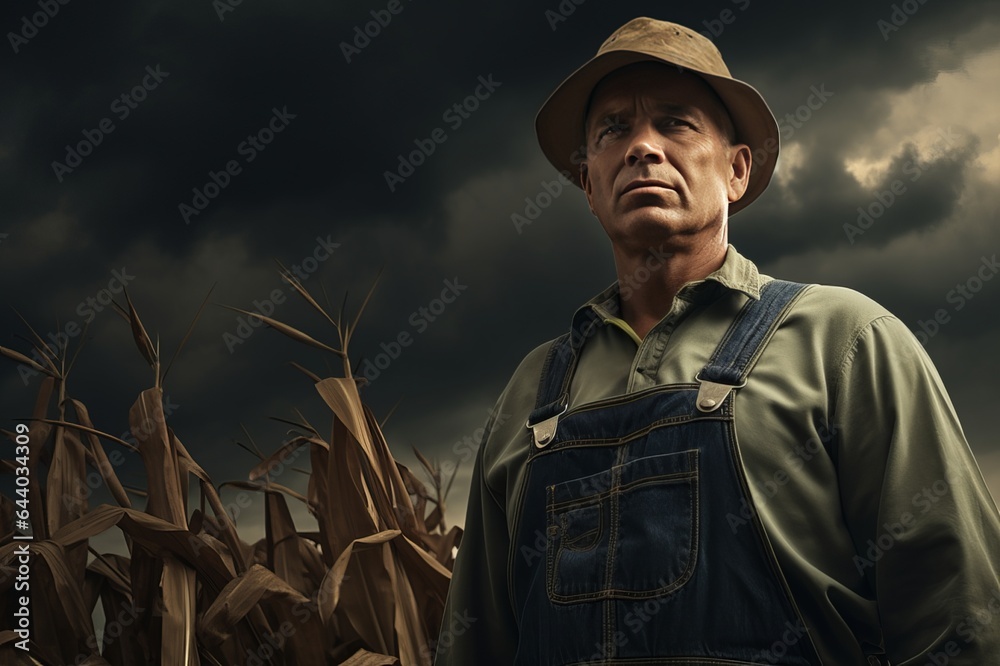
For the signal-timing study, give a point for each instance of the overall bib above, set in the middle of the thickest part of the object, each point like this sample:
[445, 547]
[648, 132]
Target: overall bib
[624, 552]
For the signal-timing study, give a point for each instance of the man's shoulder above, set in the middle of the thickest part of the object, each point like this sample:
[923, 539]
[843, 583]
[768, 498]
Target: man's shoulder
[522, 387]
[505, 444]
[835, 319]
[833, 305]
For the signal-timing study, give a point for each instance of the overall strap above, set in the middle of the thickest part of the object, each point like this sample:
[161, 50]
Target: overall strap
[553, 388]
[743, 343]
[739, 351]
[727, 369]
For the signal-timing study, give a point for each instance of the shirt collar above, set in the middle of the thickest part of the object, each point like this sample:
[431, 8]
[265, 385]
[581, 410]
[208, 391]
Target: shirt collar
[737, 273]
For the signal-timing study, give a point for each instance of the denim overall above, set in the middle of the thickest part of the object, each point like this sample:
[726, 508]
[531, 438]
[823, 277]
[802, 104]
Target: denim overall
[623, 553]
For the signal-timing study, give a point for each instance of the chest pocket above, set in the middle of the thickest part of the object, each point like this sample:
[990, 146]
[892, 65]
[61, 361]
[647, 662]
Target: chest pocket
[630, 532]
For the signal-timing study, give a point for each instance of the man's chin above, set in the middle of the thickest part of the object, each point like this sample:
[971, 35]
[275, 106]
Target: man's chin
[665, 217]
[653, 225]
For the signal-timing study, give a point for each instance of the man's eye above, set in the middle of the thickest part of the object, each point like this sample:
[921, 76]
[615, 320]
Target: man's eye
[613, 128]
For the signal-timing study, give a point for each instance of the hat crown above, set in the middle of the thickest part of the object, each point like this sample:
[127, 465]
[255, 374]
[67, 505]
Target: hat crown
[669, 41]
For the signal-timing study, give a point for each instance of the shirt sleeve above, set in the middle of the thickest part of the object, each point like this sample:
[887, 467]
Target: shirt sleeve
[478, 625]
[925, 528]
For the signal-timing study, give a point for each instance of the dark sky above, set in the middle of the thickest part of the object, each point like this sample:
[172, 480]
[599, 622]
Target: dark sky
[909, 101]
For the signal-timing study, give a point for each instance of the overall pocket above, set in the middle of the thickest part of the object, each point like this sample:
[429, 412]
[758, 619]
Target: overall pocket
[630, 532]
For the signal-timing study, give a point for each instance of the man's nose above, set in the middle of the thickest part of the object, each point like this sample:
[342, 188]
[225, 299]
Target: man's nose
[646, 145]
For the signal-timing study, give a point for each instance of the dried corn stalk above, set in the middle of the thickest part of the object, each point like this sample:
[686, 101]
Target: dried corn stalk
[366, 589]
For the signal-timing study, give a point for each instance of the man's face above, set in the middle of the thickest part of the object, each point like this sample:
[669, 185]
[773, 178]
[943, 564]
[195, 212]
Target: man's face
[658, 157]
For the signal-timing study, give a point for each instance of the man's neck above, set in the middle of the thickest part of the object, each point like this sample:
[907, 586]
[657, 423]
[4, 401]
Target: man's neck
[649, 281]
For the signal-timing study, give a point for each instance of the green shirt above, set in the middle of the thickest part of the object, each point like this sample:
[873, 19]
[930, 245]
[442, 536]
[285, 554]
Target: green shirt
[859, 470]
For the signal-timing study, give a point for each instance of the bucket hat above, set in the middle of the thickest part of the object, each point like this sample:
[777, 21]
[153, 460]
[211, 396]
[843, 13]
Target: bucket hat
[559, 124]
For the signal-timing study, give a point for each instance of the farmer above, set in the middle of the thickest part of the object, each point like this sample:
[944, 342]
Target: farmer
[713, 466]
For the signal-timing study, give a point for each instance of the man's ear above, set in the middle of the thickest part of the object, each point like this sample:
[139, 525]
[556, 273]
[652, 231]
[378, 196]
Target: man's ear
[586, 185]
[740, 163]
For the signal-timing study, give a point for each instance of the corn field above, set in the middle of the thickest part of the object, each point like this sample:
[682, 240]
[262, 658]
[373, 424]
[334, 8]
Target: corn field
[366, 588]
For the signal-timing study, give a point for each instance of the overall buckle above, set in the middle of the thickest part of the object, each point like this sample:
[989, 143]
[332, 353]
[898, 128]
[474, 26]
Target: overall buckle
[544, 431]
[711, 395]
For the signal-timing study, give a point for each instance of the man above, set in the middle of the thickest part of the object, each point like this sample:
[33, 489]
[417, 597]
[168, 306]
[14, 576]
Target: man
[714, 467]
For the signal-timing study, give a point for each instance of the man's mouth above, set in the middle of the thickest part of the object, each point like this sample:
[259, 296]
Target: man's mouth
[644, 184]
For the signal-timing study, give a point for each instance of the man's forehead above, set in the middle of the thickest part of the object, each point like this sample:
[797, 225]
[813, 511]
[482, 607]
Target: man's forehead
[655, 80]
[666, 87]
[624, 107]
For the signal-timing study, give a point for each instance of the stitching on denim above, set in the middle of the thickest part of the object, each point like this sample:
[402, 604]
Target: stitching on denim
[541, 397]
[778, 320]
[601, 496]
[553, 554]
[567, 544]
[636, 396]
[763, 540]
[637, 434]
[550, 533]
[616, 480]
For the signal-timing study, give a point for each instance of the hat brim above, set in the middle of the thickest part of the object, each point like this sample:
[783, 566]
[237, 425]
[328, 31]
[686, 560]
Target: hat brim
[559, 124]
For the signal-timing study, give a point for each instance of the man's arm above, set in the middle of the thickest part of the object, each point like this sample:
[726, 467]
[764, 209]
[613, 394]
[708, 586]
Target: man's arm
[478, 625]
[926, 531]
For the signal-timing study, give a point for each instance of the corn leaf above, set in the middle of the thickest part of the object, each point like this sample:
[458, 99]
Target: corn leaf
[367, 592]
[102, 463]
[291, 332]
[142, 340]
[148, 425]
[365, 658]
[178, 643]
[18, 357]
[239, 596]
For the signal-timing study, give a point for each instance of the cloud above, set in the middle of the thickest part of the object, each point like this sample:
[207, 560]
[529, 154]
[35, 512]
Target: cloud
[324, 175]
